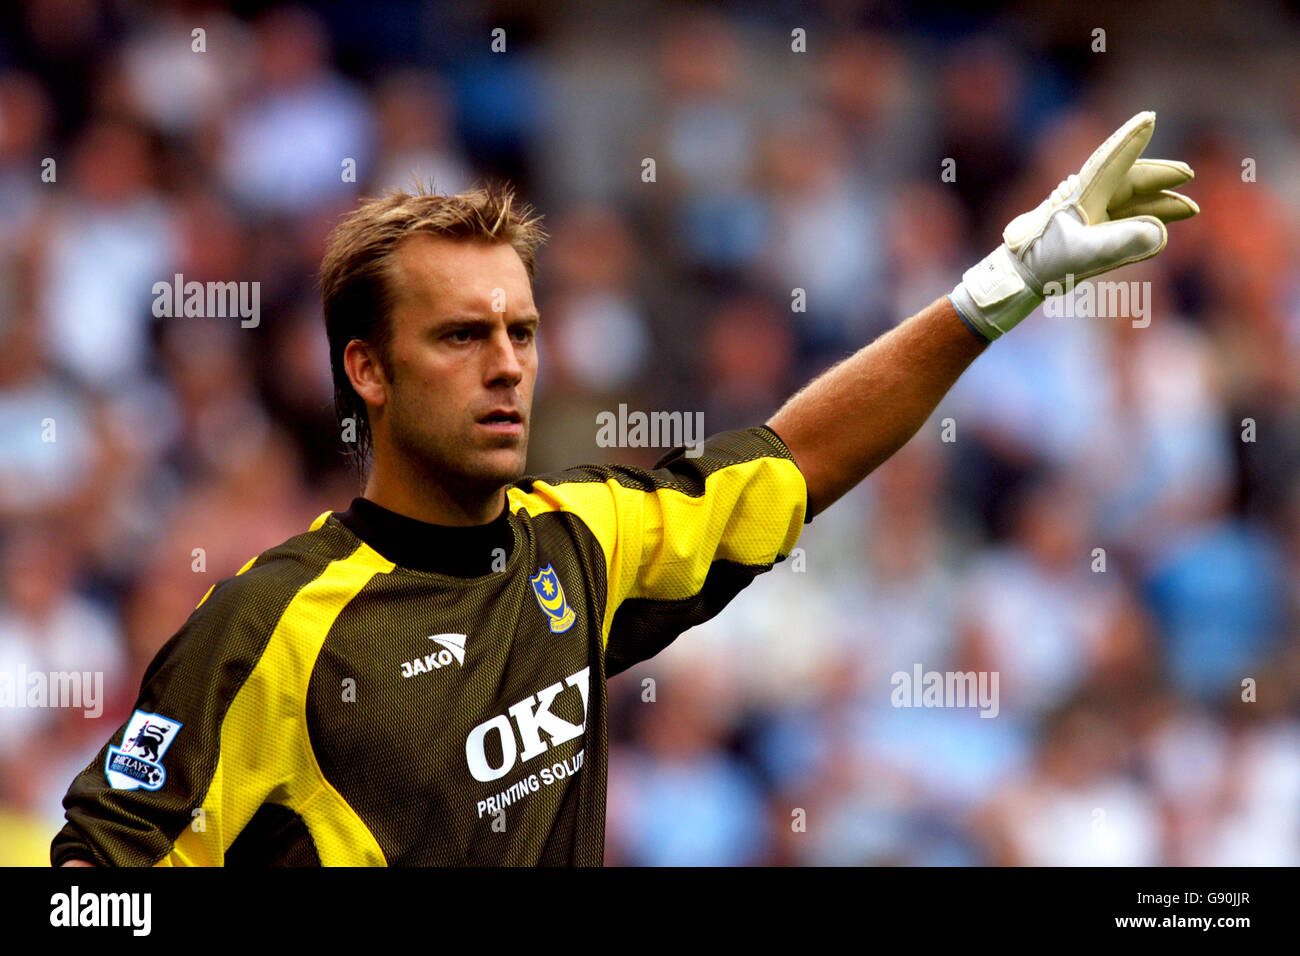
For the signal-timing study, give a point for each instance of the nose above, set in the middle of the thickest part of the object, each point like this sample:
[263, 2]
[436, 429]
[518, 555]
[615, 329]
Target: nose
[502, 360]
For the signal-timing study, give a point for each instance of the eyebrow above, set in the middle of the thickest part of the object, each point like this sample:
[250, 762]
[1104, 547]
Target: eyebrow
[478, 322]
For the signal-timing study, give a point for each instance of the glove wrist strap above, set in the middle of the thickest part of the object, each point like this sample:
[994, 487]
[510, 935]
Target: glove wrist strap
[995, 294]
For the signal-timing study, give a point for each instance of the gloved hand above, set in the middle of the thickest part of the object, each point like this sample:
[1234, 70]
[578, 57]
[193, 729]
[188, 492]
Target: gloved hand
[1112, 212]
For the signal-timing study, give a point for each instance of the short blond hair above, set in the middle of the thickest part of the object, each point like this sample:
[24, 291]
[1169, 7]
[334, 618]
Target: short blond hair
[356, 291]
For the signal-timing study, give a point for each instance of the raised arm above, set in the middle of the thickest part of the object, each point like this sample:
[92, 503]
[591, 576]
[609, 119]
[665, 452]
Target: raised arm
[852, 417]
[1112, 212]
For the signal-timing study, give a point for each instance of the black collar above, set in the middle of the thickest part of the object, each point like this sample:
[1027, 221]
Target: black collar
[465, 552]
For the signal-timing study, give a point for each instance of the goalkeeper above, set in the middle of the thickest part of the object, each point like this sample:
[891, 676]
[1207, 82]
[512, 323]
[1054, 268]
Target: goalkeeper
[420, 678]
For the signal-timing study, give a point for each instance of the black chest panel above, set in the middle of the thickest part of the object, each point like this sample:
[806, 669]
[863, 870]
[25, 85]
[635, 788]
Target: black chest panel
[456, 722]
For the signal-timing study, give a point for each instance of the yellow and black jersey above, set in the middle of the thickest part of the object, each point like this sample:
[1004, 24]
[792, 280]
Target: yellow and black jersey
[382, 691]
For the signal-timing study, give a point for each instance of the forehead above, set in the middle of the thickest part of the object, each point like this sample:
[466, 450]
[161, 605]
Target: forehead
[454, 274]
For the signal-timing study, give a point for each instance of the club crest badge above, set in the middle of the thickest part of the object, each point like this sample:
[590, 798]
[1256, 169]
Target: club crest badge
[138, 762]
[550, 597]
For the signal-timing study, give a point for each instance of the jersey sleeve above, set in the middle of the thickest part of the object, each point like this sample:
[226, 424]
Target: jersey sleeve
[213, 738]
[684, 538]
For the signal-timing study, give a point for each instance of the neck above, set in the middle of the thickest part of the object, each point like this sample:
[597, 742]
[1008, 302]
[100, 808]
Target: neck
[408, 491]
[470, 551]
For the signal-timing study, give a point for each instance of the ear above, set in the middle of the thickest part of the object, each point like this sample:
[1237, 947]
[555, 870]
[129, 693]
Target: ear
[366, 372]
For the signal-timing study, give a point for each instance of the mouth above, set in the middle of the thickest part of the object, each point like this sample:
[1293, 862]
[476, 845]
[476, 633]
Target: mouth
[502, 421]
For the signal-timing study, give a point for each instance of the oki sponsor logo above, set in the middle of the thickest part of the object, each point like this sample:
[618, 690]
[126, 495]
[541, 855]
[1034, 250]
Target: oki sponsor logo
[531, 716]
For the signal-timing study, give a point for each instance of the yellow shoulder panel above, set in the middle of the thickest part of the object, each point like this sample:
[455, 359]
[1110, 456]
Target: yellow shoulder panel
[265, 750]
[660, 544]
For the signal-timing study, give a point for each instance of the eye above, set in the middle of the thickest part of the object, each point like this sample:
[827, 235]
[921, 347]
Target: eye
[523, 333]
[460, 335]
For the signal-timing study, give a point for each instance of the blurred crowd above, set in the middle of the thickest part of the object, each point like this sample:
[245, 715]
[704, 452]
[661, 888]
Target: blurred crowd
[1113, 526]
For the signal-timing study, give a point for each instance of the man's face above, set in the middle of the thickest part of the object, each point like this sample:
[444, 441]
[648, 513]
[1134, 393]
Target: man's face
[463, 348]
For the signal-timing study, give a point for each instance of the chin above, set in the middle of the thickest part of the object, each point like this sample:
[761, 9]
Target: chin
[496, 468]
[469, 472]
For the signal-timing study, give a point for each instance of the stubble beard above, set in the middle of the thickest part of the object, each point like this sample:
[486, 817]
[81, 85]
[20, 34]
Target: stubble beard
[468, 471]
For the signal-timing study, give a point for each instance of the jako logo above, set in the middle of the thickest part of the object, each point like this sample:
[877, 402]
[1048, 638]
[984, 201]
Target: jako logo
[453, 649]
[530, 722]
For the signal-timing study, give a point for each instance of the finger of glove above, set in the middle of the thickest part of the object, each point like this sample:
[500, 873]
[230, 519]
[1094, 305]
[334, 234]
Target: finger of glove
[1166, 205]
[1117, 243]
[1107, 167]
[1150, 176]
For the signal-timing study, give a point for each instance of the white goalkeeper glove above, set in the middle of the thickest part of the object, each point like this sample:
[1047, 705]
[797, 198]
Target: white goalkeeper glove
[1112, 212]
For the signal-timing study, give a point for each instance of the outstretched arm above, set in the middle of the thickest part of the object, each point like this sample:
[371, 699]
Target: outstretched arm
[861, 411]
[852, 417]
